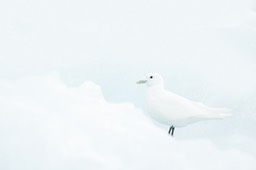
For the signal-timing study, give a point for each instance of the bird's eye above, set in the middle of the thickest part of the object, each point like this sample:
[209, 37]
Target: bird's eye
[151, 77]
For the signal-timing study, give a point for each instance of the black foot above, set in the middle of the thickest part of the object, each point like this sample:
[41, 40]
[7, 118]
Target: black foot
[171, 130]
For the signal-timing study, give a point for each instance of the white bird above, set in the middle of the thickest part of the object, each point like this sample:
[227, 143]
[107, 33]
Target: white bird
[173, 110]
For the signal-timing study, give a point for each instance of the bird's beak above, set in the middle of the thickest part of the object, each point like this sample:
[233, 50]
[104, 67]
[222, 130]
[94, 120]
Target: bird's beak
[141, 81]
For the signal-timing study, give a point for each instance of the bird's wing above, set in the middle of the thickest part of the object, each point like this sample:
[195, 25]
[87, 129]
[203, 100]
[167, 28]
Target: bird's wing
[222, 112]
[178, 107]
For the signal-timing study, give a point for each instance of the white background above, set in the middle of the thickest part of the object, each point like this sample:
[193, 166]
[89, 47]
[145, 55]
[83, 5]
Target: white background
[68, 98]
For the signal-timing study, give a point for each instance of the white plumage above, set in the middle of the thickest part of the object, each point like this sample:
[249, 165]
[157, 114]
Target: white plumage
[174, 110]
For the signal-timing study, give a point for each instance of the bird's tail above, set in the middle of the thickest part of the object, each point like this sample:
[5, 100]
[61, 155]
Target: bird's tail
[221, 112]
[218, 113]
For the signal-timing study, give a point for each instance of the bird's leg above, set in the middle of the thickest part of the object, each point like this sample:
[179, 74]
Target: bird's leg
[171, 130]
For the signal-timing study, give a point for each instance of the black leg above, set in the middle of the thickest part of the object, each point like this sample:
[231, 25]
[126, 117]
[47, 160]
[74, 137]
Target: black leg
[171, 130]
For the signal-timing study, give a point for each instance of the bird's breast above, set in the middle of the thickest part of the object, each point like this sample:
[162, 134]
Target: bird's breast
[157, 111]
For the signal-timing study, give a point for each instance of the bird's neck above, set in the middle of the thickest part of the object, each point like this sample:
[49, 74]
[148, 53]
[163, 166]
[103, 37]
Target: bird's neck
[155, 89]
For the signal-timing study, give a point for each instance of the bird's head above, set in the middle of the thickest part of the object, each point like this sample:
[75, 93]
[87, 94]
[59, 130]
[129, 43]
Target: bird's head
[152, 80]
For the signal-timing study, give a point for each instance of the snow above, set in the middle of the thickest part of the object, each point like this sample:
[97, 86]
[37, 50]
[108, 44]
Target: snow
[68, 98]
[46, 124]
